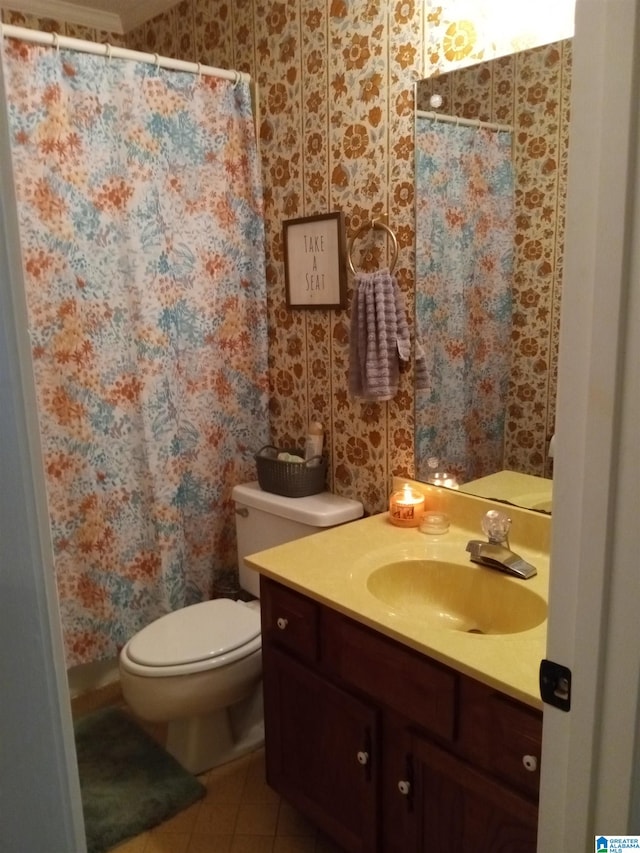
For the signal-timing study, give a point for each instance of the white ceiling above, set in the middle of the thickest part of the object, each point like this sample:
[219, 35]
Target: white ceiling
[116, 16]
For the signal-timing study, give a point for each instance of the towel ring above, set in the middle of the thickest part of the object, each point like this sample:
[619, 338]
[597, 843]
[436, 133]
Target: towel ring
[379, 224]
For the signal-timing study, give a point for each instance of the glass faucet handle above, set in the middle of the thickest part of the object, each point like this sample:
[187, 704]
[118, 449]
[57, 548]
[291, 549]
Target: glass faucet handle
[496, 526]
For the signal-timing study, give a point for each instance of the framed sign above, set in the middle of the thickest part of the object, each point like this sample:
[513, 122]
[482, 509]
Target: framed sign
[314, 261]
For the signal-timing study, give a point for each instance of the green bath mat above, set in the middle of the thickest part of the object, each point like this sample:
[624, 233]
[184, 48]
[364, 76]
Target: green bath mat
[128, 782]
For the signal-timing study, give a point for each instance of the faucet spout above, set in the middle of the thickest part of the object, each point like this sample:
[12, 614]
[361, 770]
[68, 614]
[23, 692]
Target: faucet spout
[498, 557]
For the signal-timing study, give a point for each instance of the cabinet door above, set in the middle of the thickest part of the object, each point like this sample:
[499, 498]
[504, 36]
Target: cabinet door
[321, 751]
[462, 810]
[400, 801]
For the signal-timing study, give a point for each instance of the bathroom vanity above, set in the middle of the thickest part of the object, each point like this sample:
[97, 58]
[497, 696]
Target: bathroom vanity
[394, 733]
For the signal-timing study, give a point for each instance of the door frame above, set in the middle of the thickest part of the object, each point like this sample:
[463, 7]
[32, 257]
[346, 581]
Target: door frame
[589, 785]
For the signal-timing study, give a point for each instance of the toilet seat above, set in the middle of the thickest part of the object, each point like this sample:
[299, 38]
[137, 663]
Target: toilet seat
[196, 638]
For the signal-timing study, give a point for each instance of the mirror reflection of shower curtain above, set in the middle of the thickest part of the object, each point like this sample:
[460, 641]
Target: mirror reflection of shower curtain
[142, 237]
[464, 269]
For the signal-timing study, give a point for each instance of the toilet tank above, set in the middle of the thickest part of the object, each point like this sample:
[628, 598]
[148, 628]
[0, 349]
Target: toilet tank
[264, 520]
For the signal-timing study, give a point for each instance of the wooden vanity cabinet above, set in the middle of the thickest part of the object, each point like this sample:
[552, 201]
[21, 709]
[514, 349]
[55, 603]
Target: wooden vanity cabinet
[320, 739]
[385, 749]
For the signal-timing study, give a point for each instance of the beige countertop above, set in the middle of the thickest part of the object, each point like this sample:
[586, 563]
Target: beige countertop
[333, 566]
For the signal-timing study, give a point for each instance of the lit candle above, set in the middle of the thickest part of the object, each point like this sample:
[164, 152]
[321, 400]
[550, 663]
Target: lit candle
[406, 507]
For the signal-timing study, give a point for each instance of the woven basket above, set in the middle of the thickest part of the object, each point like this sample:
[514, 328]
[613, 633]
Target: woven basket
[291, 479]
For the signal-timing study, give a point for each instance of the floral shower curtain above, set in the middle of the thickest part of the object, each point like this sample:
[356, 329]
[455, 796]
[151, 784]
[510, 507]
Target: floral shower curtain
[464, 269]
[141, 228]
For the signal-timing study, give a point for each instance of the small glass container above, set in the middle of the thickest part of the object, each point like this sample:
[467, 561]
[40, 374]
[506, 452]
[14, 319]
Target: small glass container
[437, 475]
[406, 507]
[434, 523]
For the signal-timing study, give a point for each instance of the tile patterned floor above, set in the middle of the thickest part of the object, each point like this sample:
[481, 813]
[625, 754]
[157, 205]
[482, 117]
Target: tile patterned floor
[240, 813]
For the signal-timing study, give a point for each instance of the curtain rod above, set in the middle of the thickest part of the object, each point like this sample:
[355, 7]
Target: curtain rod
[465, 122]
[109, 51]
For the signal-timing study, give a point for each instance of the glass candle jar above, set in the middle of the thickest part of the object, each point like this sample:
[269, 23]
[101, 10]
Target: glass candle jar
[437, 474]
[406, 507]
[444, 479]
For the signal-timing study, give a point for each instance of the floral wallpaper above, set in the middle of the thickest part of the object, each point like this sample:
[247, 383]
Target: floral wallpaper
[335, 81]
[465, 32]
[49, 25]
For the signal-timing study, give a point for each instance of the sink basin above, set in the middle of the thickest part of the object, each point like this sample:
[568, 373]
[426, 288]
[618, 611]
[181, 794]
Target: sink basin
[459, 597]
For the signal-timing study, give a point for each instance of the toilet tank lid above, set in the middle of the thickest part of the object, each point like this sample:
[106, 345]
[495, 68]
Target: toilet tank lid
[322, 510]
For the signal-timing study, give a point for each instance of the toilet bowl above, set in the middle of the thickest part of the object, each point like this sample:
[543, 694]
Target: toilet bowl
[198, 669]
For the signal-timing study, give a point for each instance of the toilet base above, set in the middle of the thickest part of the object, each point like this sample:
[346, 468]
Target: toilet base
[208, 740]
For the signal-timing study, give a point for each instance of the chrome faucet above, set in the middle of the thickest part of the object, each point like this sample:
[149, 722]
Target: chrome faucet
[496, 552]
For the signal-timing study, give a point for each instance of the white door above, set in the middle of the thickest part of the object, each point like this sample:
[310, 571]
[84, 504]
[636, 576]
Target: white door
[589, 780]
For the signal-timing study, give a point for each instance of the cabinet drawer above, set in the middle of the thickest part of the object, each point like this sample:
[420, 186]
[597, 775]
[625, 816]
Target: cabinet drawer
[397, 677]
[289, 620]
[501, 735]
[516, 743]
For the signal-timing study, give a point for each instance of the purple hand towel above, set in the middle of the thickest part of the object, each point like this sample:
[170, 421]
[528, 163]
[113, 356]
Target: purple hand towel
[379, 336]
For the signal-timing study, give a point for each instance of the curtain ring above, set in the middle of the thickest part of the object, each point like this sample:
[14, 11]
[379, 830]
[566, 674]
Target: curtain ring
[108, 52]
[56, 41]
[199, 71]
[157, 56]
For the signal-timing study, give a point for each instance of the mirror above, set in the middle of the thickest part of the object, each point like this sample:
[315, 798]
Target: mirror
[529, 91]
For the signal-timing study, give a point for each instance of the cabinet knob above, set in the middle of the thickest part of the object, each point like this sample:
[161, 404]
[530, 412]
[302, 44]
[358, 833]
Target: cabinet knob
[530, 763]
[404, 787]
[362, 756]
[282, 623]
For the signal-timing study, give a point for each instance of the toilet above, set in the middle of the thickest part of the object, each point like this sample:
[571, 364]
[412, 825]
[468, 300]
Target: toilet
[199, 669]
